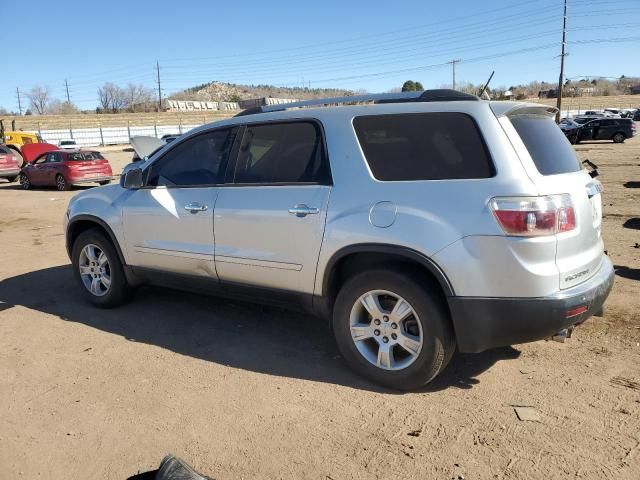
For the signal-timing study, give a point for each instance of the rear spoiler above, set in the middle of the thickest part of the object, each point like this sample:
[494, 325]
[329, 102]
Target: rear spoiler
[512, 109]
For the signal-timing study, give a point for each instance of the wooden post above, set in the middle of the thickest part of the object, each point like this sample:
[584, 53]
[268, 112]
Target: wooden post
[101, 137]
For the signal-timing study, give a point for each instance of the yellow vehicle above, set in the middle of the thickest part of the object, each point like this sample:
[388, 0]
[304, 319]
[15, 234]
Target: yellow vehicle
[16, 139]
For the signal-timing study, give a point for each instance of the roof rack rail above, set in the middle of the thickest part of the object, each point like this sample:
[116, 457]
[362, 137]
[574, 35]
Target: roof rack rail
[437, 95]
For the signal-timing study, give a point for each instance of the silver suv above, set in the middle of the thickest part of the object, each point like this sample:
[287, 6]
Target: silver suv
[417, 223]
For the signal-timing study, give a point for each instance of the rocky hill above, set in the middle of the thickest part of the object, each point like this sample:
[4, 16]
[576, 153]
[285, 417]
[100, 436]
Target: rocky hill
[229, 92]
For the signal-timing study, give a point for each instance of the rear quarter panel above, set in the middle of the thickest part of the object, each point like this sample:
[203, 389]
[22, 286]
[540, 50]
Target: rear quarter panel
[431, 215]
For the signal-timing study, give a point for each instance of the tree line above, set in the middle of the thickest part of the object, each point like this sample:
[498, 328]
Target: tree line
[112, 98]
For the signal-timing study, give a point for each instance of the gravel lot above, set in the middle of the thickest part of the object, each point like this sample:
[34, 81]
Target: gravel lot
[243, 391]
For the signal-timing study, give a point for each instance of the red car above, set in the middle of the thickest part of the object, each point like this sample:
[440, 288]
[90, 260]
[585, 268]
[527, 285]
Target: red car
[9, 167]
[47, 165]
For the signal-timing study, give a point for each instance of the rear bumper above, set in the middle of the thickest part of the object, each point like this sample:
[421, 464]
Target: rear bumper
[9, 173]
[482, 323]
[78, 181]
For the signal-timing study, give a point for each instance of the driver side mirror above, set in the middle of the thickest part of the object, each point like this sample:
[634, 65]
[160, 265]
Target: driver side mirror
[132, 179]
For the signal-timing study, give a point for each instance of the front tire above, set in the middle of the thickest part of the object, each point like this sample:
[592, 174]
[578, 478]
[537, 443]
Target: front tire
[25, 183]
[393, 329]
[61, 183]
[98, 270]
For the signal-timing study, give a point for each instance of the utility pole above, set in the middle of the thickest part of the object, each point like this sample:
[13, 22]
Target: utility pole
[66, 86]
[562, 55]
[453, 70]
[19, 101]
[159, 88]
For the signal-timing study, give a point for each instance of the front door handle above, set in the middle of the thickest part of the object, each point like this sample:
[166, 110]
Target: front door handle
[301, 210]
[195, 207]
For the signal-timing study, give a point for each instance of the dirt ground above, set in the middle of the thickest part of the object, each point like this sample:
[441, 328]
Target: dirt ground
[242, 391]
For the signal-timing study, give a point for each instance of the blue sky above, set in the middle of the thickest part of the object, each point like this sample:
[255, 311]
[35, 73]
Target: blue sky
[371, 45]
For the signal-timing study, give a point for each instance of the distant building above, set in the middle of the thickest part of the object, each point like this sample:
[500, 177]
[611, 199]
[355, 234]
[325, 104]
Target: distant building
[508, 95]
[634, 90]
[193, 105]
[262, 101]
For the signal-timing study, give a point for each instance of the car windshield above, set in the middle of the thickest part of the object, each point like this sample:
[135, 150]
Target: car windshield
[84, 156]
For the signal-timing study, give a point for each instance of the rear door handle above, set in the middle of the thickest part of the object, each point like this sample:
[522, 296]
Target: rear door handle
[301, 210]
[195, 207]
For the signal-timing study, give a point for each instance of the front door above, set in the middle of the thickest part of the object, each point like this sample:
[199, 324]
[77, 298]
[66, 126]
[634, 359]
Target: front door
[169, 222]
[269, 223]
[38, 169]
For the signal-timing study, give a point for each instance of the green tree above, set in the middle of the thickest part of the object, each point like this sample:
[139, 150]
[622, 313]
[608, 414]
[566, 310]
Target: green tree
[419, 87]
[409, 86]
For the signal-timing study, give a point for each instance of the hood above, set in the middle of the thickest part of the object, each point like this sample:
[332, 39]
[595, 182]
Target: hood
[31, 151]
[145, 146]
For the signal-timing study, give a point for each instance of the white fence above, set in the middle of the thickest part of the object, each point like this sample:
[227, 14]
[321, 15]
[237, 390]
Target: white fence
[111, 135]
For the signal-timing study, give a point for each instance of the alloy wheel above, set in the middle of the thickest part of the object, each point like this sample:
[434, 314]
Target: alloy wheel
[95, 270]
[61, 183]
[24, 181]
[386, 330]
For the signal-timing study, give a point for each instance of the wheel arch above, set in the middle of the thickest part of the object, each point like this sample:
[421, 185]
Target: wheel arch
[82, 223]
[347, 260]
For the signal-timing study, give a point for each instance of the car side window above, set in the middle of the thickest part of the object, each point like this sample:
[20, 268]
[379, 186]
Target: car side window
[277, 153]
[41, 159]
[200, 160]
[53, 158]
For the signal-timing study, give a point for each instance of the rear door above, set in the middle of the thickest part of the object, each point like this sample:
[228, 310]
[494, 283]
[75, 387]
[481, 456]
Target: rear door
[554, 167]
[51, 168]
[607, 128]
[270, 221]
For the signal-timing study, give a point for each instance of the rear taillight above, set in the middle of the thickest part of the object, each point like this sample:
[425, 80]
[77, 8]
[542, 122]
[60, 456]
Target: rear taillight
[534, 216]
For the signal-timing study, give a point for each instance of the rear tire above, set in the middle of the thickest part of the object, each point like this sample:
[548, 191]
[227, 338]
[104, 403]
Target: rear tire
[12, 179]
[427, 324]
[618, 138]
[61, 183]
[104, 295]
[105, 182]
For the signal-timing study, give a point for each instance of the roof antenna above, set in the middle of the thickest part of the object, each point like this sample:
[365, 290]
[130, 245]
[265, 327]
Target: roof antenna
[484, 89]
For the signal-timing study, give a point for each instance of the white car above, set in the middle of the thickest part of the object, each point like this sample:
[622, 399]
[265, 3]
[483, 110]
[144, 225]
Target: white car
[68, 145]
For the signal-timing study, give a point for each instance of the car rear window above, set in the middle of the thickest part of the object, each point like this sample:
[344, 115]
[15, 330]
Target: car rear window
[84, 156]
[423, 146]
[549, 148]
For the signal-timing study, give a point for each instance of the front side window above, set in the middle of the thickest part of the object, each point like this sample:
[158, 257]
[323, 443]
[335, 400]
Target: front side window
[53, 158]
[199, 160]
[423, 146]
[291, 152]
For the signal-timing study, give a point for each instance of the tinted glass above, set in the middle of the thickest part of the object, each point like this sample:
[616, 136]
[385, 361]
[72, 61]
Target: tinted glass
[84, 156]
[199, 160]
[423, 146]
[548, 147]
[282, 153]
[4, 149]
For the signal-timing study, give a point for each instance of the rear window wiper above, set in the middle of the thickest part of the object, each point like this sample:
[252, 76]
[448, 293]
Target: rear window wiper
[594, 168]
